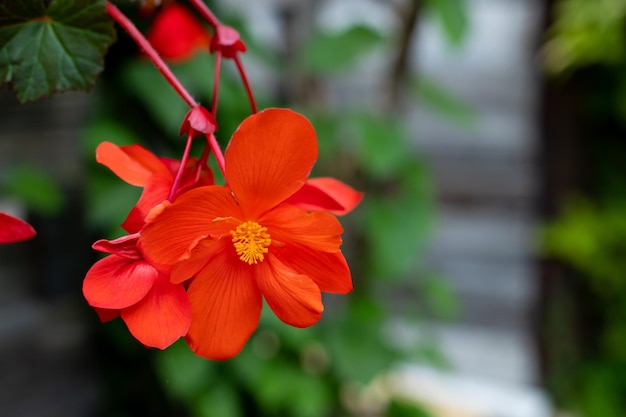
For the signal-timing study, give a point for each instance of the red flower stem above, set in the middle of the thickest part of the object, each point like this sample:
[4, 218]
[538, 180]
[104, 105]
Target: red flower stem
[143, 43]
[205, 12]
[181, 168]
[203, 160]
[219, 156]
[216, 81]
[246, 84]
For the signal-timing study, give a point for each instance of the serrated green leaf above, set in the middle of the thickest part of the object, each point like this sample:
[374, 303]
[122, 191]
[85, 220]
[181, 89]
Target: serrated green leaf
[328, 53]
[46, 49]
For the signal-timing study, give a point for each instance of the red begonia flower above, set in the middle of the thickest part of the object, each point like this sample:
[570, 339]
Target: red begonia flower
[13, 229]
[138, 166]
[176, 34]
[242, 243]
[156, 312]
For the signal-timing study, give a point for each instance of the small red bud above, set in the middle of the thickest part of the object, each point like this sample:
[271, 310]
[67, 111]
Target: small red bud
[227, 41]
[200, 120]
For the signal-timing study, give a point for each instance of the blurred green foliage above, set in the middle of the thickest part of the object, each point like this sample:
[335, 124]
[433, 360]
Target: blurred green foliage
[441, 101]
[585, 327]
[452, 18]
[34, 188]
[590, 377]
[592, 239]
[318, 371]
[585, 33]
[327, 53]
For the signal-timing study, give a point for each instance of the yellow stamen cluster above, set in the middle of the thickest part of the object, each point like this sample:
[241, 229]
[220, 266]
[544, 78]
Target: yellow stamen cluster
[251, 242]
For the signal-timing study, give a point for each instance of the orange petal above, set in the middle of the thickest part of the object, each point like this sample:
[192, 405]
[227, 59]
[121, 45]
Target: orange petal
[161, 317]
[172, 233]
[269, 158]
[328, 270]
[13, 229]
[328, 194]
[115, 282]
[226, 307]
[318, 230]
[133, 164]
[294, 298]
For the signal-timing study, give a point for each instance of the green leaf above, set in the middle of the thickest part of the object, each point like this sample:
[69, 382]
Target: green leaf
[452, 16]
[329, 53]
[46, 49]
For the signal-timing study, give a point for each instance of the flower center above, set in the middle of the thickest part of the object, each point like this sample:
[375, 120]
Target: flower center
[251, 242]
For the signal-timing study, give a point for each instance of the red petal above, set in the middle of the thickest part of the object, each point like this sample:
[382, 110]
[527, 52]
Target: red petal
[328, 194]
[134, 221]
[193, 216]
[115, 282]
[105, 314]
[226, 307]
[161, 317]
[328, 270]
[269, 158]
[176, 34]
[125, 246]
[294, 298]
[156, 190]
[317, 230]
[13, 229]
[133, 164]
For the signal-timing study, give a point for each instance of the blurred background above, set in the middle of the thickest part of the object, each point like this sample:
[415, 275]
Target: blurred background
[488, 256]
